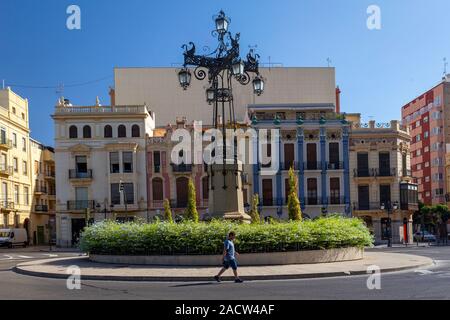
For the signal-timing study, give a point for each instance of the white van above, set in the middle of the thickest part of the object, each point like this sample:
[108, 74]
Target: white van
[13, 237]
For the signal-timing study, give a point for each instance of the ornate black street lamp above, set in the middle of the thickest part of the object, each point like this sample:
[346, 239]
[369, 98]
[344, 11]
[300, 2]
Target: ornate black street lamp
[390, 208]
[222, 68]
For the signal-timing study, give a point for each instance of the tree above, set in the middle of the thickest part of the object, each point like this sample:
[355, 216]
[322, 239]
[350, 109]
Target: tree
[294, 209]
[167, 211]
[191, 212]
[254, 214]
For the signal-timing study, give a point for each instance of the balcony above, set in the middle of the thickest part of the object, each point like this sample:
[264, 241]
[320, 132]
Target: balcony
[181, 168]
[406, 173]
[5, 170]
[49, 175]
[363, 173]
[335, 165]
[40, 190]
[336, 200]
[5, 144]
[312, 165]
[286, 166]
[6, 205]
[313, 201]
[366, 206]
[385, 172]
[80, 205]
[76, 175]
[41, 208]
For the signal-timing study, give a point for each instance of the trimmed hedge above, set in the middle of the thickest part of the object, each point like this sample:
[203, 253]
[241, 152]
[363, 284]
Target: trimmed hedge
[163, 238]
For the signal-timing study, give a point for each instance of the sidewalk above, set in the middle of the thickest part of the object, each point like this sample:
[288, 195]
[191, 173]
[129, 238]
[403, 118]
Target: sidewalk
[57, 268]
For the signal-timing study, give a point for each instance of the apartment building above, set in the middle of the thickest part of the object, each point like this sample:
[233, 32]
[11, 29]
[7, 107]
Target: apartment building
[43, 203]
[313, 140]
[100, 154]
[428, 119]
[382, 186]
[17, 177]
[167, 180]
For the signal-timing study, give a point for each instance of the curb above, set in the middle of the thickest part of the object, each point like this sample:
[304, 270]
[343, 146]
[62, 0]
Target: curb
[18, 270]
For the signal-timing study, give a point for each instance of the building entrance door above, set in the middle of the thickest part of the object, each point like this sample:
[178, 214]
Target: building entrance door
[77, 227]
[40, 235]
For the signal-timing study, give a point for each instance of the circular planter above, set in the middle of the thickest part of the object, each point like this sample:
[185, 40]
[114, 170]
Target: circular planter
[250, 259]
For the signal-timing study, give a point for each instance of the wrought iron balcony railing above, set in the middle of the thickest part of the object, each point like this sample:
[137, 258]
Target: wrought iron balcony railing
[181, 167]
[366, 206]
[385, 172]
[41, 208]
[81, 205]
[74, 174]
[335, 165]
[312, 165]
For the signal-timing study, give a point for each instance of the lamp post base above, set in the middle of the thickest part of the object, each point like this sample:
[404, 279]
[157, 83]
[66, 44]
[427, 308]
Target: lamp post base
[226, 199]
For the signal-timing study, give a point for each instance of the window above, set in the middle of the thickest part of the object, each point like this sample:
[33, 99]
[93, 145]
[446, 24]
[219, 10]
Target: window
[363, 164]
[25, 168]
[439, 192]
[24, 144]
[81, 164]
[23, 116]
[427, 179]
[267, 192]
[425, 120]
[115, 194]
[426, 149]
[417, 123]
[87, 134]
[157, 189]
[426, 134]
[312, 191]
[385, 194]
[127, 158]
[36, 167]
[205, 188]
[107, 132]
[419, 166]
[419, 152]
[73, 132]
[14, 110]
[14, 140]
[157, 161]
[16, 164]
[128, 193]
[114, 162]
[335, 191]
[122, 131]
[3, 136]
[427, 164]
[26, 199]
[418, 137]
[16, 194]
[333, 154]
[135, 131]
[436, 131]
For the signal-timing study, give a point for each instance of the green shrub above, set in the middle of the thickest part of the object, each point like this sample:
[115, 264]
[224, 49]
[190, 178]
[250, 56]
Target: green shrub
[294, 209]
[254, 214]
[162, 238]
[191, 212]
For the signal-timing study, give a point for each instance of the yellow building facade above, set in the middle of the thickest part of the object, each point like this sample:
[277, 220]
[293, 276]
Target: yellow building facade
[17, 179]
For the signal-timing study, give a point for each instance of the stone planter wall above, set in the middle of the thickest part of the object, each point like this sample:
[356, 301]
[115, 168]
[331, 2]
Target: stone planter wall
[250, 259]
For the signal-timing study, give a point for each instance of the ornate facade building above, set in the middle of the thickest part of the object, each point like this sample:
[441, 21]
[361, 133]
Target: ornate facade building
[100, 165]
[382, 186]
[314, 141]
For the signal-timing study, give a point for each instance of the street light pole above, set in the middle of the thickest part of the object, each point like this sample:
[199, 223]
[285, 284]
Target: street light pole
[389, 207]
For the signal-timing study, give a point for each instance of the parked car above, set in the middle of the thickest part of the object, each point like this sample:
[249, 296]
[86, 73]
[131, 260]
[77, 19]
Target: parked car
[424, 236]
[13, 237]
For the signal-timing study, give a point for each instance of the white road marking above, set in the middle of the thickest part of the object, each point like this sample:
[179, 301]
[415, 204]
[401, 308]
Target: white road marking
[25, 257]
[50, 255]
[7, 257]
[423, 272]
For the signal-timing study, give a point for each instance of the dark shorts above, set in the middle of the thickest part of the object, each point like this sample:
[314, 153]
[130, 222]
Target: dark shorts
[230, 264]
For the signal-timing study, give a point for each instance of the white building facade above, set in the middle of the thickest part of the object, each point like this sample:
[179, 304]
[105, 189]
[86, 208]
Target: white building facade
[100, 165]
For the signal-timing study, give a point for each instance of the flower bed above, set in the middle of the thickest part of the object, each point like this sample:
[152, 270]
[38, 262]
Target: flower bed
[111, 238]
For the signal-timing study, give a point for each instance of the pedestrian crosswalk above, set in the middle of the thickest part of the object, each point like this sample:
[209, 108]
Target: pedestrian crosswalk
[25, 257]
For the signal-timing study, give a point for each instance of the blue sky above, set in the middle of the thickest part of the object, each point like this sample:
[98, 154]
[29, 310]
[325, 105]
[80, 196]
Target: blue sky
[378, 71]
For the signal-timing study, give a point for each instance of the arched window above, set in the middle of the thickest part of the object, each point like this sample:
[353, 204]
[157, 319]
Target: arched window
[73, 132]
[182, 192]
[157, 189]
[122, 131]
[87, 132]
[108, 131]
[135, 131]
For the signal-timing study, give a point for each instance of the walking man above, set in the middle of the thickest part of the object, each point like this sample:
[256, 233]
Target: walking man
[229, 259]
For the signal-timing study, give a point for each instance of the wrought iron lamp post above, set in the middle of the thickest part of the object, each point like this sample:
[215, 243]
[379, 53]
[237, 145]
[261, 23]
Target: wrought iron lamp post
[222, 68]
[390, 208]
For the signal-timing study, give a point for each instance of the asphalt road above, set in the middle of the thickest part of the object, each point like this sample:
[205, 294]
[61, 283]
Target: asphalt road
[430, 283]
